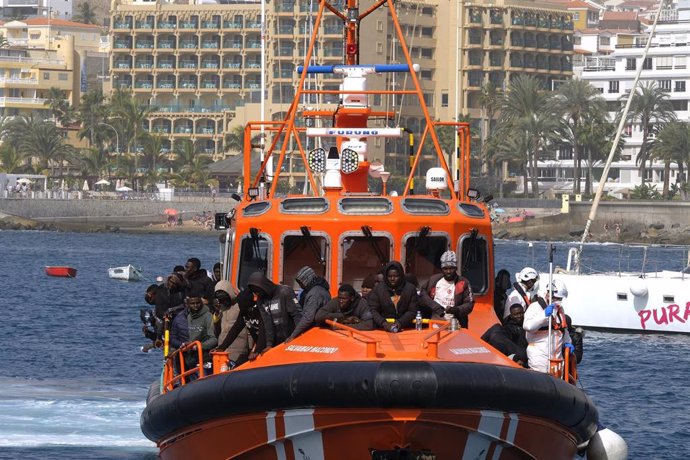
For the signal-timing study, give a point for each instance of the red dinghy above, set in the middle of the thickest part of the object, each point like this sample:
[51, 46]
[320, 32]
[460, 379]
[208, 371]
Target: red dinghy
[62, 271]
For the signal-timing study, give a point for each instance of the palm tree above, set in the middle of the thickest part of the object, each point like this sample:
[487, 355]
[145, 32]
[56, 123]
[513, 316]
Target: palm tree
[153, 152]
[489, 101]
[672, 145]
[92, 163]
[651, 107]
[92, 112]
[596, 134]
[11, 158]
[40, 139]
[234, 139]
[512, 145]
[578, 99]
[190, 164]
[528, 107]
[59, 106]
[86, 14]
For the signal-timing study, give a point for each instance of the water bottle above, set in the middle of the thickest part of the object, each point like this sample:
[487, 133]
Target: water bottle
[418, 321]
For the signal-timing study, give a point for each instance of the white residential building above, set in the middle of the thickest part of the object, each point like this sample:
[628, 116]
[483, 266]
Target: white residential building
[666, 66]
[17, 8]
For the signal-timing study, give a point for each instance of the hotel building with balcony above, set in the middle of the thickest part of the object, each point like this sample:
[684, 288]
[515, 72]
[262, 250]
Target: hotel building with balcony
[613, 74]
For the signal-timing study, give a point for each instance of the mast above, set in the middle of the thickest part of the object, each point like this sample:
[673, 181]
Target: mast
[619, 132]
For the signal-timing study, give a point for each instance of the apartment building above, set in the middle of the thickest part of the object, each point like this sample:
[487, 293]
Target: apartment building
[26, 76]
[499, 41]
[22, 8]
[666, 66]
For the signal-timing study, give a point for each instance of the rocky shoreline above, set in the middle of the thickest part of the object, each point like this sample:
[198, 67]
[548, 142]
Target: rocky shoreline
[535, 229]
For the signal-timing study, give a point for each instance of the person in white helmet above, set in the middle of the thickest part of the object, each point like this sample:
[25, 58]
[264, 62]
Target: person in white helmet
[536, 325]
[525, 290]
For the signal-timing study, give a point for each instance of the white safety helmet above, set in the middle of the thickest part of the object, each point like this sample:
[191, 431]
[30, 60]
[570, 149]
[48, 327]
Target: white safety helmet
[558, 289]
[527, 274]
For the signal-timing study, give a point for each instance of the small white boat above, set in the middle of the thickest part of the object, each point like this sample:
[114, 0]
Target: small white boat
[126, 273]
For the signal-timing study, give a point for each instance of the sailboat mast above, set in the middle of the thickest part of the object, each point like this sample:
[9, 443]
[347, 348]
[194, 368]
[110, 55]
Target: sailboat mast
[614, 145]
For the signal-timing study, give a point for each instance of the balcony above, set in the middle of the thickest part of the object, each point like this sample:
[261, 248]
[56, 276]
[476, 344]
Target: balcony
[166, 44]
[253, 65]
[333, 30]
[206, 130]
[285, 7]
[122, 25]
[167, 25]
[210, 24]
[166, 65]
[122, 44]
[188, 65]
[211, 44]
[253, 25]
[517, 21]
[166, 84]
[232, 44]
[183, 129]
[123, 65]
[285, 30]
[188, 84]
[232, 85]
[254, 44]
[232, 65]
[144, 65]
[18, 81]
[144, 85]
[517, 42]
[209, 85]
[232, 25]
[188, 44]
[4, 101]
[144, 45]
[210, 65]
[188, 25]
[516, 63]
[530, 43]
[148, 25]
[282, 74]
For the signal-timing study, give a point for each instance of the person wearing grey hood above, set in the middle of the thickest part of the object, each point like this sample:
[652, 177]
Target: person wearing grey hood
[279, 302]
[394, 298]
[314, 296]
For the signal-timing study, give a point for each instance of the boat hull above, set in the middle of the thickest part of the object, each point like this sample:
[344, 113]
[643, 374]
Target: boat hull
[127, 273]
[345, 409]
[626, 302]
[61, 272]
[356, 433]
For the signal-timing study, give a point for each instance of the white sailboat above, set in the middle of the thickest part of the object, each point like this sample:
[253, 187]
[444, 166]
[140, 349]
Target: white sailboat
[631, 301]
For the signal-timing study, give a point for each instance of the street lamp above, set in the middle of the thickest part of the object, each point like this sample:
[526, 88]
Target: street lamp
[117, 137]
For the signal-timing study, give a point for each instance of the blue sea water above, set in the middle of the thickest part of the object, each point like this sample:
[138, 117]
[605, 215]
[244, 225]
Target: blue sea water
[73, 379]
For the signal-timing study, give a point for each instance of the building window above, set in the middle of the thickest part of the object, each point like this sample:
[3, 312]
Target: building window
[647, 64]
[576, 16]
[444, 99]
[577, 40]
[614, 86]
[604, 41]
[664, 85]
[630, 64]
[46, 75]
[680, 62]
[63, 77]
[680, 105]
[379, 26]
[379, 47]
[426, 74]
[664, 62]
[680, 86]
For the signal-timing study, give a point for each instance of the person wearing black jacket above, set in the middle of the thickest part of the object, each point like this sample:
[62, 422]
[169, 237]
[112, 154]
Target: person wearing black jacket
[279, 302]
[348, 308]
[393, 298]
[501, 287]
[257, 322]
[577, 336]
[509, 337]
[199, 282]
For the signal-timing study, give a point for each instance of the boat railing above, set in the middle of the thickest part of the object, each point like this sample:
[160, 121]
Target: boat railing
[564, 368]
[356, 334]
[432, 340]
[176, 377]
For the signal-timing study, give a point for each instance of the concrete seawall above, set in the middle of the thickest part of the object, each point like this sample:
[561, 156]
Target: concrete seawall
[105, 213]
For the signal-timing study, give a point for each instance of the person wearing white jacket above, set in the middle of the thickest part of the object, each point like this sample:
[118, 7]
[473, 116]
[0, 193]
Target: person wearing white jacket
[536, 325]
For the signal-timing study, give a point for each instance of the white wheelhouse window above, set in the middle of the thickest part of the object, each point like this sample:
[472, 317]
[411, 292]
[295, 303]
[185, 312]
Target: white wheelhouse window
[298, 249]
[362, 255]
[422, 254]
[473, 261]
[255, 255]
